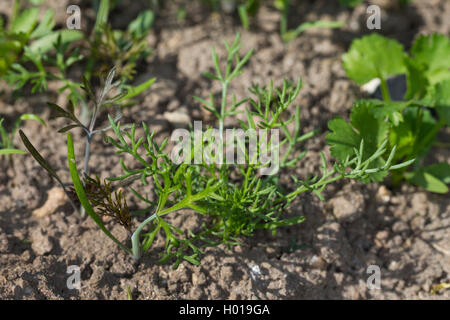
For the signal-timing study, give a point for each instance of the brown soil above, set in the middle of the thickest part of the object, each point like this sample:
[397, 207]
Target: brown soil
[404, 231]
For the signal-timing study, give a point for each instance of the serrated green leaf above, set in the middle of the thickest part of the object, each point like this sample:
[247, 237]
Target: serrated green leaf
[342, 138]
[433, 54]
[416, 80]
[9, 50]
[439, 97]
[410, 142]
[345, 137]
[391, 110]
[373, 130]
[402, 136]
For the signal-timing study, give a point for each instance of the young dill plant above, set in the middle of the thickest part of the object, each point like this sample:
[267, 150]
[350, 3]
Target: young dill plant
[233, 200]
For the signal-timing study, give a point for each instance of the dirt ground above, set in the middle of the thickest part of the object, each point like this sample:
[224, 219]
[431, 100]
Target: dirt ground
[404, 231]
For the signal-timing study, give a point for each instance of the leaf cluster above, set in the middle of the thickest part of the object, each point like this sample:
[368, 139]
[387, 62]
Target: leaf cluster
[28, 41]
[33, 53]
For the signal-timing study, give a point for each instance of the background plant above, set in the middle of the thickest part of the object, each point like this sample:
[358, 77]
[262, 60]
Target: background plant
[51, 53]
[247, 9]
[410, 125]
[27, 42]
[99, 101]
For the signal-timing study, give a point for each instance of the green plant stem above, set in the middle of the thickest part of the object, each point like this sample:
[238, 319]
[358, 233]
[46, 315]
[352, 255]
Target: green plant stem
[302, 189]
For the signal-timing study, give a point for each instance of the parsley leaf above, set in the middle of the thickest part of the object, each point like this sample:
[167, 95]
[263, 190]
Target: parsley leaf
[373, 56]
